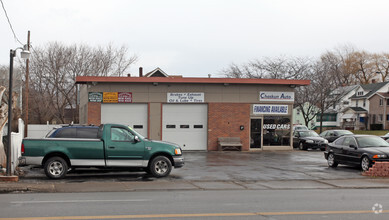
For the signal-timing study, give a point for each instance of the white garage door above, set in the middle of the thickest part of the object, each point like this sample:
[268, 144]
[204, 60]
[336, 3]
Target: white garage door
[134, 115]
[186, 125]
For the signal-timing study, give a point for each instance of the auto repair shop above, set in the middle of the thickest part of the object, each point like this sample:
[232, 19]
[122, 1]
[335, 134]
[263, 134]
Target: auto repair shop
[194, 112]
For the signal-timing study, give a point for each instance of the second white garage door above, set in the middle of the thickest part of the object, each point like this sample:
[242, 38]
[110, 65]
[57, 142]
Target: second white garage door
[133, 115]
[186, 125]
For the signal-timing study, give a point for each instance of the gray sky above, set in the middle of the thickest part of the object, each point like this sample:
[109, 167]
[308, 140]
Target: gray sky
[200, 37]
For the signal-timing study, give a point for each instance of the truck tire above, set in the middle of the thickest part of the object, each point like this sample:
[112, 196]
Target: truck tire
[160, 166]
[56, 168]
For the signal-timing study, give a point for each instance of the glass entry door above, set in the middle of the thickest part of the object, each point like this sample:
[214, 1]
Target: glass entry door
[255, 133]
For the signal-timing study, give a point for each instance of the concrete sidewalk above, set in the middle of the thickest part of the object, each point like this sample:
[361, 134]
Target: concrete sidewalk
[210, 171]
[93, 186]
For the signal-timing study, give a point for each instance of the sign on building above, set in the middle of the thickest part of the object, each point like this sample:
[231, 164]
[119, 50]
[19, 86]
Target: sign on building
[267, 96]
[187, 97]
[110, 97]
[95, 97]
[125, 97]
[270, 109]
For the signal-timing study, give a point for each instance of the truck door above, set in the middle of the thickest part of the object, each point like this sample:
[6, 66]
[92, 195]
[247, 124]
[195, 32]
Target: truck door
[122, 148]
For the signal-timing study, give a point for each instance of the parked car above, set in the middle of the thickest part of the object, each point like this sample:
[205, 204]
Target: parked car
[300, 127]
[305, 139]
[115, 146]
[385, 137]
[360, 150]
[332, 135]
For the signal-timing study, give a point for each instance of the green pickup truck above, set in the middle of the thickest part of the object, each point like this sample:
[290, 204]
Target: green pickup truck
[107, 146]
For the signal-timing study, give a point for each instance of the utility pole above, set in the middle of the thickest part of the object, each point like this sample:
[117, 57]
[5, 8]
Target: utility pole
[26, 89]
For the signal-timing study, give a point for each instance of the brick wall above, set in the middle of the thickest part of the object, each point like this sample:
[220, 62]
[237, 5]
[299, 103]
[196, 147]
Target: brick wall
[94, 113]
[225, 119]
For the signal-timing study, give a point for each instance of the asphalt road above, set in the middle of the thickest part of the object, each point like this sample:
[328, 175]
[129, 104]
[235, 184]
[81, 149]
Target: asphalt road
[215, 204]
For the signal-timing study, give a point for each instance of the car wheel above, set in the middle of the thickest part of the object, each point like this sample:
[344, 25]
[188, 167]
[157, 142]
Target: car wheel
[160, 166]
[301, 146]
[365, 163]
[331, 160]
[56, 168]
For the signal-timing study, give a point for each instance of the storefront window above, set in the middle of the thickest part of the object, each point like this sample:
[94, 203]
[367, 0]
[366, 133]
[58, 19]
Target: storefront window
[276, 131]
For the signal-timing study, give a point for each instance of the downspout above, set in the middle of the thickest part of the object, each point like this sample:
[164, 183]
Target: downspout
[384, 104]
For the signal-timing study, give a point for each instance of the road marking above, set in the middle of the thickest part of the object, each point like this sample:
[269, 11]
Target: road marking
[79, 201]
[196, 215]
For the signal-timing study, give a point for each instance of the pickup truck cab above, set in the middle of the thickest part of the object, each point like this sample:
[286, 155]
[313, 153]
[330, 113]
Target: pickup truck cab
[115, 146]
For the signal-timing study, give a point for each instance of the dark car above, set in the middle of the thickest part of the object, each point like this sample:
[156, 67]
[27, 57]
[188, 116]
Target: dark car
[361, 150]
[74, 131]
[308, 139]
[332, 135]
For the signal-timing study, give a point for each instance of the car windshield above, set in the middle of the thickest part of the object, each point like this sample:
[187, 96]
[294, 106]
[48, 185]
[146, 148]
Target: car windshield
[308, 134]
[344, 132]
[371, 141]
[301, 127]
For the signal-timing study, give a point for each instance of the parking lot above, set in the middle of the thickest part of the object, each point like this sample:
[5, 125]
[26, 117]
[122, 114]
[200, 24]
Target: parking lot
[224, 166]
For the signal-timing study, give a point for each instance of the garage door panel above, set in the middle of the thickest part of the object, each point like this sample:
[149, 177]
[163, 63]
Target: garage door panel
[186, 125]
[133, 115]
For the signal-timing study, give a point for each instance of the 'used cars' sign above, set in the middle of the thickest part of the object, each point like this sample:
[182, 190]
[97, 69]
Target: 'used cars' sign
[268, 96]
[187, 97]
[270, 109]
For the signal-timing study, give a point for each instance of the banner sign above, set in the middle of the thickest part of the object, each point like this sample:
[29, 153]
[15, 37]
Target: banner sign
[277, 126]
[187, 97]
[125, 97]
[276, 96]
[110, 97]
[95, 96]
[270, 109]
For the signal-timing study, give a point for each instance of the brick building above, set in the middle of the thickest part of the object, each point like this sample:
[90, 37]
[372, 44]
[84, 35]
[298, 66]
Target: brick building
[194, 112]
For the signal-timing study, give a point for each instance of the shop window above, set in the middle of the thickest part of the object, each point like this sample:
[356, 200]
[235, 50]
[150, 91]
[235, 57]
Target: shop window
[276, 131]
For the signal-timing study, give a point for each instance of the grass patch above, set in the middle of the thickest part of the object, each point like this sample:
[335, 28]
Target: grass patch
[378, 132]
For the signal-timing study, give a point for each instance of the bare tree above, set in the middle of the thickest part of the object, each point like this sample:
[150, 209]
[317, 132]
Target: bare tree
[381, 64]
[274, 68]
[54, 69]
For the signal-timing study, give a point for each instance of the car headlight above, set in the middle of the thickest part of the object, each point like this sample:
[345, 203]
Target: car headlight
[326, 141]
[310, 142]
[378, 156]
[177, 151]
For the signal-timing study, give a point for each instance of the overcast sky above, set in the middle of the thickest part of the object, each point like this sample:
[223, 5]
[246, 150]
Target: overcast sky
[200, 37]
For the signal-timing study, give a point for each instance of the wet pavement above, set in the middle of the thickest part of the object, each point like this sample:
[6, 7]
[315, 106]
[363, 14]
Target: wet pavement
[223, 166]
[210, 171]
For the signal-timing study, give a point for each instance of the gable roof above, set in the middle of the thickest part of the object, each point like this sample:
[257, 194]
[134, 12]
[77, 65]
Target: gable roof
[371, 90]
[344, 90]
[157, 73]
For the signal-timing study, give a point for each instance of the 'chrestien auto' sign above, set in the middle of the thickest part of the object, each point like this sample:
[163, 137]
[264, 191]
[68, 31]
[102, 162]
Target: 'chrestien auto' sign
[276, 96]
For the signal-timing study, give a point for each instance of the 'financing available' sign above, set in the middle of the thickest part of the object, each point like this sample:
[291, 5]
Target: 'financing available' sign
[270, 109]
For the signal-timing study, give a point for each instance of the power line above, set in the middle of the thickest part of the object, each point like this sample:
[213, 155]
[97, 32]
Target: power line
[9, 22]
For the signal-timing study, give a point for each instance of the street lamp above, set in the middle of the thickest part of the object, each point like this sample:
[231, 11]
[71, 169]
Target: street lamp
[25, 54]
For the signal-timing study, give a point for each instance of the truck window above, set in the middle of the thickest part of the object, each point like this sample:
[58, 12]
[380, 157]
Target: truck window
[66, 133]
[121, 134]
[87, 133]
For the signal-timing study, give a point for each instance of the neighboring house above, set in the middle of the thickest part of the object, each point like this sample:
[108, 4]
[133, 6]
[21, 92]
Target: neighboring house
[365, 107]
[298, 118]
[379, 111]
[333, 117]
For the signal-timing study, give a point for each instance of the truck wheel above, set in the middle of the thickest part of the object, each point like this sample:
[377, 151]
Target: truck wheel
[160, 166]
[56, 168]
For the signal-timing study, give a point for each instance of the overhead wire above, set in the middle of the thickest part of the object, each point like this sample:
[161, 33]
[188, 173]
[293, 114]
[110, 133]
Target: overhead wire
[10, 24]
